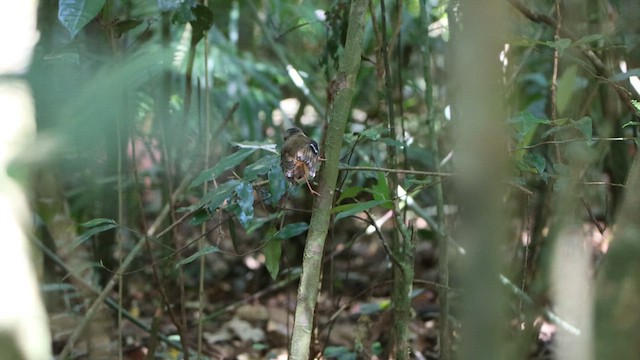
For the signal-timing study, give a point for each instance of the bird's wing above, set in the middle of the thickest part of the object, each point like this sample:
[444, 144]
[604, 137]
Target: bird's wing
[288, 164]
[309, 155]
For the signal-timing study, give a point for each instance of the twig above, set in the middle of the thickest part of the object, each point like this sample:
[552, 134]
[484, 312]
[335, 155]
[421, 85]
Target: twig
[397, 171]
[566, 141]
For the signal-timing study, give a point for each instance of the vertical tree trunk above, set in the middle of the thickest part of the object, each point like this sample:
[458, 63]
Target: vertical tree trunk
[481, 160]
[318, 228]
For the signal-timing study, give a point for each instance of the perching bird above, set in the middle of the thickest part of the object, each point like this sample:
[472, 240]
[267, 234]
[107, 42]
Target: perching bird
[300, 157]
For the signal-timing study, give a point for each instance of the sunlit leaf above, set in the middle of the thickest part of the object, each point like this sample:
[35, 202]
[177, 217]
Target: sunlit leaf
[202, 252]
[76, 14]
[98, 221]
[244, 192]
[636, 104]
[257, 145]
[225, 164]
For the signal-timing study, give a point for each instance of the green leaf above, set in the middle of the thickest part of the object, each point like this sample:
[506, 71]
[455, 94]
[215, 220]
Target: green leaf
[98, 221]
[199, 217]
[272, 253]
[233, 234]
[123, 26]
[202, 22]
[374, 133]
[292, 230]
[260, 167]
[636, 104]
[214, 198]
[95, 229]
[225, 164]
[277, 185]
[631, 123]
[537, 161]
[257, 145]
[349, 193]
[347, 210]
[76, 14]
[202, 252]
[381, 190]
[525, 124]
[585, 125]
[587, 39]
[566, 87]
[561, 45]
[244, 192]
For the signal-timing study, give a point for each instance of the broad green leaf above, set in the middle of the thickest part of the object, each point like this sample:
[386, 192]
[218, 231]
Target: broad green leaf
[558, 125]
[561, 45]
[587, 39]
[260, 167]
[244, 192]
[525, 124]
[98, 221]
[202, 22]
[277, 185]
[202, 252]
[199, 217]
[380, 190]
[536, 161]
[214, 198]
[585, 125]
[91, 232]
[76, 14]
[272, 253]
[257, 145]
[374, 133]
[292, 230]
[347, 210]
[566, 87]
[349, 193]
[231, 226]
[225, 164]
[123, 26]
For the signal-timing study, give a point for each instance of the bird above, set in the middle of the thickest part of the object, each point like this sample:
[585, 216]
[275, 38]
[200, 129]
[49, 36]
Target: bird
[300, 157]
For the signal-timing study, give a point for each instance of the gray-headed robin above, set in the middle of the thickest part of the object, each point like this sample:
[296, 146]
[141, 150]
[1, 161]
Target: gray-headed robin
[300, 157]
